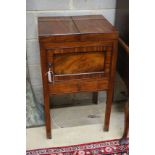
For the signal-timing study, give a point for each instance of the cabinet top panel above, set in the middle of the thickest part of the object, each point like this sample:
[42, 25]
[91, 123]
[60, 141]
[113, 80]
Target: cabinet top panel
[74, 25]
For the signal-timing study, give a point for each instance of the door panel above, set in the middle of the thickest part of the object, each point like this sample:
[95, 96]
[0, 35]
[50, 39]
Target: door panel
[74, 63]
[79, 62]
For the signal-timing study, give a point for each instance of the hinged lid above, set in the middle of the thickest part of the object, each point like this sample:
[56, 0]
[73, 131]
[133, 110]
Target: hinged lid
[76, 28]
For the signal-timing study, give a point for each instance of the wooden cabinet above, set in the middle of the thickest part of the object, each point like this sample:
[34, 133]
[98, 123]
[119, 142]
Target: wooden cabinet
[78, 54]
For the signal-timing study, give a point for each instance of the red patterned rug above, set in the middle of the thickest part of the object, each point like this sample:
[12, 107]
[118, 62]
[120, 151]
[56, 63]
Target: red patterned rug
[111, 147]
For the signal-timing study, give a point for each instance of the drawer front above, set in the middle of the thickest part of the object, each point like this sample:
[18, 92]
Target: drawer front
[73, 86]
[79, 62]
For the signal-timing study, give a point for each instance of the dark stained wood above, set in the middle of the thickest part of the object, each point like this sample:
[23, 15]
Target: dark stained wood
[124, 72]
[81, 53]
[98, 57]
[126, 121]
[111, 87]
[100, 75]
[122, 24]
[95, 97]
[76, 45]
[74, 86]
[79, 28]
[60, 38]
[88, 17]
[45, 91]
[123, 62]
[78, 48]
[124, 45]
[78, 37]
[56, 26]
[93, 25]
[78, 63]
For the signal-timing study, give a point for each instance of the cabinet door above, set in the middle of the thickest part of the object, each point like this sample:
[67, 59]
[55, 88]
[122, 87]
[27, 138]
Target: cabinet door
[79, 62]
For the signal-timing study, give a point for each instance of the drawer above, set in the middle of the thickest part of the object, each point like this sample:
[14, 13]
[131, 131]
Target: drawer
[73, 86]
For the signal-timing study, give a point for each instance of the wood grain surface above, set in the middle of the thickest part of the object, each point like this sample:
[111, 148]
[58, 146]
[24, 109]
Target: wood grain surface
[81, 51]
[78, 63]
